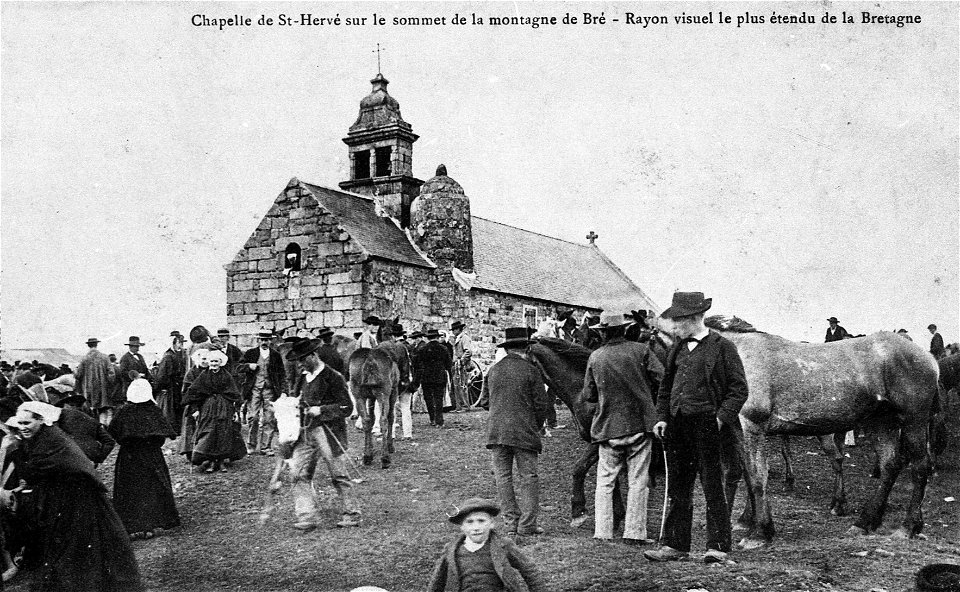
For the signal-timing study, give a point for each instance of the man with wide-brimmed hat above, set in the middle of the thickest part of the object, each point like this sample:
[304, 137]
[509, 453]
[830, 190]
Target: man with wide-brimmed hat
[326, 404]
[835, 332]
[620, 386]
[169, 380]
[264, 380]
[517, 398]
[704, 387]
[132, 366]
[94, 376]
[462, 354]
[432, 367]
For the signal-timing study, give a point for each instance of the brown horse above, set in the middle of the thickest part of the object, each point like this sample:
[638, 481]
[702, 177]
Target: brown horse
[823, 389]
[374, 377]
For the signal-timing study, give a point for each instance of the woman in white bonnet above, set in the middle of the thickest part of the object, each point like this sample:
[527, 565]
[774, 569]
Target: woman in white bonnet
[142, 492]
[213, 399]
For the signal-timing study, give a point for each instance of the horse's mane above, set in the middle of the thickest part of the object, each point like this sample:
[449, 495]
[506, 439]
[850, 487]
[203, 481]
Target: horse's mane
[733, 324]
[570, 352]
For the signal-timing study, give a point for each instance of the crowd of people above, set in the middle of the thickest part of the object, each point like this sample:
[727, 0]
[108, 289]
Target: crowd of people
[215, 401]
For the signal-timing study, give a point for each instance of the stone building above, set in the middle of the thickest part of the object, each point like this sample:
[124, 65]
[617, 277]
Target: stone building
[388, 244]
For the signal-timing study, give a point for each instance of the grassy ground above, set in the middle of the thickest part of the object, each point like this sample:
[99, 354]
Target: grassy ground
[221, 545]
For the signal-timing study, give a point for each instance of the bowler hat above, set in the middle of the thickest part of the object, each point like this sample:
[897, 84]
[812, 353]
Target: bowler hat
[303, 348]
[474, 504]
[515, 337]
[323, 332]
[223, 331]
[432, 334]
[832, 320]
[134, 340]
[398, 330]
[199, 334]
[456, 325]
[58, 399]
[416, 335]
[373, 320]
[5, 366]
[686, 304]
[264, 334]
[93, 341]
[175, 333]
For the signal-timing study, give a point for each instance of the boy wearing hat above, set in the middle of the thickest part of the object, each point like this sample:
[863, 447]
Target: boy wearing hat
[326, 404]
[518, 402]
[480, 559]
[620, 386]
[704, 387]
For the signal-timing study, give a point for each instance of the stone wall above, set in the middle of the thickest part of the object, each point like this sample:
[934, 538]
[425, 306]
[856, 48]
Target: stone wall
[328, 291]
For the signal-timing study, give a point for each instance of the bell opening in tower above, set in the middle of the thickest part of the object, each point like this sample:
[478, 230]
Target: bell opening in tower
[361, 165]
[383, 161]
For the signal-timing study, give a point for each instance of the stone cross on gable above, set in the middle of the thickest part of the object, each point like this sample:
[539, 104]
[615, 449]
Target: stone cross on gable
[592, 236]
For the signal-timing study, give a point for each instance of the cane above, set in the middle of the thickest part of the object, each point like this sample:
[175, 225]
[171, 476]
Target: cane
[196, 436]
[666, 491]
[359, 478]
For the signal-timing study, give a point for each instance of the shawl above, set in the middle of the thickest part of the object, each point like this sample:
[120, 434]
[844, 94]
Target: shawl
[140, 420]
[53, 455]
[210, 383]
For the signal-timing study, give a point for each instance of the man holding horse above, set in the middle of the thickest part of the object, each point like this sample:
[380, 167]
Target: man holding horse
[703, 389]
[326, 405]
[517, 398]
[621, 380]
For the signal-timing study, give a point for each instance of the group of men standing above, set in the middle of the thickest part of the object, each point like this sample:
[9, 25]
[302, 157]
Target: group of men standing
[691, 403]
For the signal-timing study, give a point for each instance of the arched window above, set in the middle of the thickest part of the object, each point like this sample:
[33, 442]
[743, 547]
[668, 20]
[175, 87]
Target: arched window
[292, 258]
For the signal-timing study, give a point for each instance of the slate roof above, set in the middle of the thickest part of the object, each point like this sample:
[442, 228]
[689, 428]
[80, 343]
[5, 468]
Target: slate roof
[520, 262]
[380, 237]
[506, 259]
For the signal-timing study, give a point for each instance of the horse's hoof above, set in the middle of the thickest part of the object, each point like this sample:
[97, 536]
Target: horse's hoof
[579, 521]
[855, 531]
[749, 544]
[367, 460]
[385, 463]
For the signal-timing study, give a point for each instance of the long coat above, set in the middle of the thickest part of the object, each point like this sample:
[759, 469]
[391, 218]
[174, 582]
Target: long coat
[518, 402]
[95, 379]
[133, 362]
[725, 377]
[516, 571]
[329, 392]
[621, 383]
[170, 374]
[433, 363]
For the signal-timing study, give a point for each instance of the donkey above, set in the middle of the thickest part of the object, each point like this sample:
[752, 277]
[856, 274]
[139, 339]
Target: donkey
[374, 377]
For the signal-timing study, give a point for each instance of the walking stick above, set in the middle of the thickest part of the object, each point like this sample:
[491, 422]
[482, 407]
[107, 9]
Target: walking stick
[359, 478]
[666, 490]
[196, 436]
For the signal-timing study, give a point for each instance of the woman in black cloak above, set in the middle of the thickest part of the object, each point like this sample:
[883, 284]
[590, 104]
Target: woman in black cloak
[213, 398]
[80, 542]
[142, 493]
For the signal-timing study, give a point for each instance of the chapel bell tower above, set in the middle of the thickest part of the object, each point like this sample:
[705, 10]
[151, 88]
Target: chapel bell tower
[380, 146]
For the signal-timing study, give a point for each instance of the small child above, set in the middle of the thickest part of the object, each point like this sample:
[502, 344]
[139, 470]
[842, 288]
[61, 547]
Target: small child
[482, 560]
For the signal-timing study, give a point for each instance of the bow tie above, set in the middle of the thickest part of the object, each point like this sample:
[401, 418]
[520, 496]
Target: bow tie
[689, 340]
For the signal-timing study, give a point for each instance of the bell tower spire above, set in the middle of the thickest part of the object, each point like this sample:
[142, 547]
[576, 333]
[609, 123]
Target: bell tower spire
[380, 146]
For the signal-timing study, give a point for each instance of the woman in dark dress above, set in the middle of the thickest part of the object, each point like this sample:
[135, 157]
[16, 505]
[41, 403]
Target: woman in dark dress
[213, 399]
[188, 429]
[142, 493]
[80, 541]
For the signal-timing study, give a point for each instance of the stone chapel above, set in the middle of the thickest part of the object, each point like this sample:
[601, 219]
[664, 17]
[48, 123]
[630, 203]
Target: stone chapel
[389, 244]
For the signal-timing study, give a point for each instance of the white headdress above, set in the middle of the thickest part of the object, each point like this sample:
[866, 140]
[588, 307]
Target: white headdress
[46, 411]
[140, 391]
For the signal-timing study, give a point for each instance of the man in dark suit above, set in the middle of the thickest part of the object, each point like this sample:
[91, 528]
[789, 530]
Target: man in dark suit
[432, 367]
[704, 386]
[132, 366]
[264, 381]
[936, 343]
[518, 402]
[234, 355]
[835, 332]
[328, 353]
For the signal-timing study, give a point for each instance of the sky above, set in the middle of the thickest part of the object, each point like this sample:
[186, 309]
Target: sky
[791, 172]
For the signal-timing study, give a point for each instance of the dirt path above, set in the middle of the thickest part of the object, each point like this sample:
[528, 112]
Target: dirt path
[221, 545]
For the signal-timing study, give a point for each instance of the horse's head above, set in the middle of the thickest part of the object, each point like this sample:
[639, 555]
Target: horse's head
[286, 410]
[563, 365]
